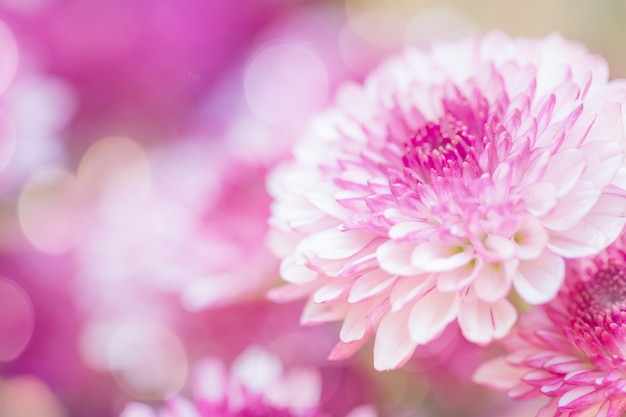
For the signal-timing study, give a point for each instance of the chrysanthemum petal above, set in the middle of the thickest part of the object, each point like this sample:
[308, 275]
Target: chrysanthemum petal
[431, 314]
[459, 278]
[494, 281]
[410, 288]
[572, 207]
[393, 345]
[530, 239]
[395, 258]
[498, 374]
[537, 281]
[439, 257]
[320, 313]
[482, 322]
[369, 284]
[335, 244]
[596, 231]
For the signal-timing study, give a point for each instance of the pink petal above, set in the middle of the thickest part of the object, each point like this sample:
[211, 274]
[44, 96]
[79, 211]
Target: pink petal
[431, 314]
[395, 258]
[291, 292]
[439, 257]
[343, 350]
[575, 395]
[537, 281]
[498, 374]
[393, 345]
[482, 322]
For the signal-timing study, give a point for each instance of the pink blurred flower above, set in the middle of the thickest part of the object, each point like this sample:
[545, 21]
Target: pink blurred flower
[256, 384]
[572, 350]
[184, 219]
[432, 190]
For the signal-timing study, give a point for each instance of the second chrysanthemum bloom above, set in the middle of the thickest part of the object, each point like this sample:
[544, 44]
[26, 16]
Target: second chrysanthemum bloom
[445, 180]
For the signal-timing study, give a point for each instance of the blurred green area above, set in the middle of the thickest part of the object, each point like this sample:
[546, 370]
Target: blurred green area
[600, 25]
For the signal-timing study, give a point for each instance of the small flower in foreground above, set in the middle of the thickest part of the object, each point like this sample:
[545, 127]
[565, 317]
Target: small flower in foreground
[256, 386]
[447, 179]
[574, 349]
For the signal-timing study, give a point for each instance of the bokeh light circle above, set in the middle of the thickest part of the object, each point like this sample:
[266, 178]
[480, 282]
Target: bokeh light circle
[51, 210]
[147, 360]
[9, 53]
[285, 83]
[7, 139]
[28, 396]
[17, 320]
[116, 166]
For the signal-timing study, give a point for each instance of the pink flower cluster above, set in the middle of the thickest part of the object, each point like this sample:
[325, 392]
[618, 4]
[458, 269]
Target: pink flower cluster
[447, 180]
[460, 211]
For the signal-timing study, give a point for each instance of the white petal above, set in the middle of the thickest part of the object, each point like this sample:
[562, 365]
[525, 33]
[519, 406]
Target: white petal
[494, 281]
[393, 345]
[572, 207]
[604, 162]
[459, 278]
[431, 314]
[295, 273]
[540, 198]
[321, 313]
[402, 229]
[328, 204]
[335, 244]
[530, 239]
[482, 322]
[439, 257]
[331, 291]
[596, 231]
[537, 281]
[395, 258]
[501, 246]
[360, 318]
[370, 284]
[407, 289]
[572, 163]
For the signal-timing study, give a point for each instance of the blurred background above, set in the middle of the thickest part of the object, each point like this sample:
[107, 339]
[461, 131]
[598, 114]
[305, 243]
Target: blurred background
[134, 140]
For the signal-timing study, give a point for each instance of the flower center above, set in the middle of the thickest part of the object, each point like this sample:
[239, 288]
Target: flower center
[598, 314]
[453, 146]
[439, 149]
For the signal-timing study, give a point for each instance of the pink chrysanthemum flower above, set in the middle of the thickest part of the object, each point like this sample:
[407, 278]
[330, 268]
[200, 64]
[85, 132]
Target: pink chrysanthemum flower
[574, 349]
[256, 385]
[445, 180]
